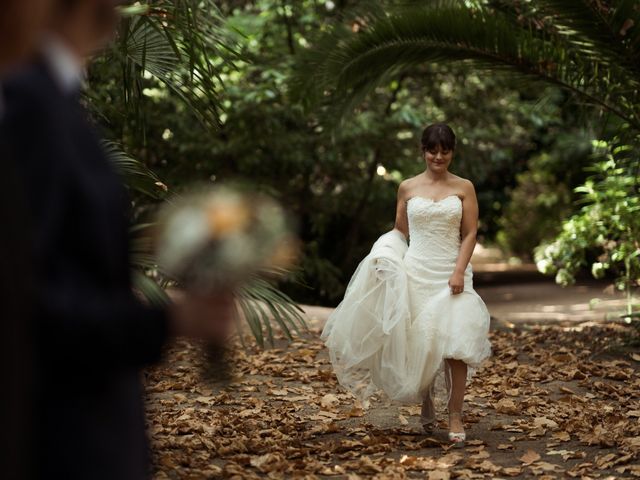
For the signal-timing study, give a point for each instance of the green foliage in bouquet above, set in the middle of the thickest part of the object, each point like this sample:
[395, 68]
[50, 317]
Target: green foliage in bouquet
[604, 235]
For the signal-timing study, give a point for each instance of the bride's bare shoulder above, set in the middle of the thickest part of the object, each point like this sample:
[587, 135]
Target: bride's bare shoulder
[409, 181]
[464, 186]
[405, 185]
[461, 182]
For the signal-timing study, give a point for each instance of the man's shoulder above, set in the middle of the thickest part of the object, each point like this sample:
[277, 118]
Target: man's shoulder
[31, 89]
[36, 121]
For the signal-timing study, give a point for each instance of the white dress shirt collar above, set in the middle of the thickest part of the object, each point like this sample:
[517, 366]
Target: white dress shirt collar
[65, 66]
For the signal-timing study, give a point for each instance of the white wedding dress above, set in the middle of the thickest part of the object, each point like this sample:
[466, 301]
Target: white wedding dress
[398, 320]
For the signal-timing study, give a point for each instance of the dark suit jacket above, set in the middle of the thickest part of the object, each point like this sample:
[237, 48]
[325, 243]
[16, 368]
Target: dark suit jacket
[92, 335]
[16, 339]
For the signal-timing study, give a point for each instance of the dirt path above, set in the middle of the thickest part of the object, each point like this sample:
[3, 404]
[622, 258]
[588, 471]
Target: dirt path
[518, 301]
[548, 404]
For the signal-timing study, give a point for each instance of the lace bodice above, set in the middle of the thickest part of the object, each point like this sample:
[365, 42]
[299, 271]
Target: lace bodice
[434, 227]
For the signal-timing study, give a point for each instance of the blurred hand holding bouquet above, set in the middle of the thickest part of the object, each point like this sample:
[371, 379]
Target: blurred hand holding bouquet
[221, 238]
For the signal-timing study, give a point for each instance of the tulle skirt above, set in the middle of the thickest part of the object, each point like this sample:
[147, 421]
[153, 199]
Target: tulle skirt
[398, 322]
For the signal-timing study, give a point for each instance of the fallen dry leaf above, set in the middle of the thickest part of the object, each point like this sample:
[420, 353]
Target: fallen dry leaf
[439, 475]
[329, 401]
[283, 415]
[507, 406]
[530, 456]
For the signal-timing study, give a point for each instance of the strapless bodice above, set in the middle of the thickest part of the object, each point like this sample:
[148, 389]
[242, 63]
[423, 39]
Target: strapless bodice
[434, 227]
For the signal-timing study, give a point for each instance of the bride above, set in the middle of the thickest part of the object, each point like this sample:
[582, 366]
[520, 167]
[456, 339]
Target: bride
[410, 323]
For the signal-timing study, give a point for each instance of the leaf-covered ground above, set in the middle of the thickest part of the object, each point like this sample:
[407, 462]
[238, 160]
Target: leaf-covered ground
[551, 403]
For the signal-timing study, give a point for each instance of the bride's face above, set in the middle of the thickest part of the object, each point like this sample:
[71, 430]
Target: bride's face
[438, 159]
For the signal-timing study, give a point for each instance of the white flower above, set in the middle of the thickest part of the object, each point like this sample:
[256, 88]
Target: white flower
[221, 236]
[237, 252]
[186, 232]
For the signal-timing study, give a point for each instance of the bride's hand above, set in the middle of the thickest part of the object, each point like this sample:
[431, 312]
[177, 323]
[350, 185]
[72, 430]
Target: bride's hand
[456, 283]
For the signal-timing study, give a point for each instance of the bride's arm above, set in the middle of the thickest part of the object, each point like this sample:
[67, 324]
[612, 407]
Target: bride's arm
[468, 227]
[402, 224]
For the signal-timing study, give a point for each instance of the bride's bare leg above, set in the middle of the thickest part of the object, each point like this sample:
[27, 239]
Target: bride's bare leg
[458, 371]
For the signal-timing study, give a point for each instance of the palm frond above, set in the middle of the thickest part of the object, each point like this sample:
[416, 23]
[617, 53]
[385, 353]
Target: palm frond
[262, 303]
[137, 175]
[182, 44]
[350, 64]
[142, 246]
[597, 29]
[150, 49]
[150, 290]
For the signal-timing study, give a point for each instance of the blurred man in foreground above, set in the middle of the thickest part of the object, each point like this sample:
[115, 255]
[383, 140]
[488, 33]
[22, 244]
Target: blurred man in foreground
[92, 335]
[21, 24]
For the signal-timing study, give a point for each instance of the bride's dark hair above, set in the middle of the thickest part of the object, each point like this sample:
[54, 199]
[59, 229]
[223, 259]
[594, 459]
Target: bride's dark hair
[438, 134]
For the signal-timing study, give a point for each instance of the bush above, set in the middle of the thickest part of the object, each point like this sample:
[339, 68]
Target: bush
[608, 225]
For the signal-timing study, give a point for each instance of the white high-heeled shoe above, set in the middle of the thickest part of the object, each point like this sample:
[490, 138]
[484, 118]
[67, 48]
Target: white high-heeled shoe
[456, 439]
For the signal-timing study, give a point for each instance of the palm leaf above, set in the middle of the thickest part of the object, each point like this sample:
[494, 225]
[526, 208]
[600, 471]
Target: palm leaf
[141, 246]
[263, 303]
[150, 290]
[147, 49]
[596, 27]
[180, 43]
[137, 175]
[351, 64]
[253, 318]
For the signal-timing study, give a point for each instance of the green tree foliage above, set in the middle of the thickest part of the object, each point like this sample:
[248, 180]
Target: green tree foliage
[591, 50]
[604, 235]
[173, 49]
[242, 117]
[545, 191]
[588, 48]
[340, 179]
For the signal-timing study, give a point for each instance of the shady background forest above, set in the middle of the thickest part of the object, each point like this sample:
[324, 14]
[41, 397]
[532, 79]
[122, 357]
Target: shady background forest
[217, 91]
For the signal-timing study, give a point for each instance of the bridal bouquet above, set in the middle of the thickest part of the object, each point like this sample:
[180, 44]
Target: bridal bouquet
[221, 236]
